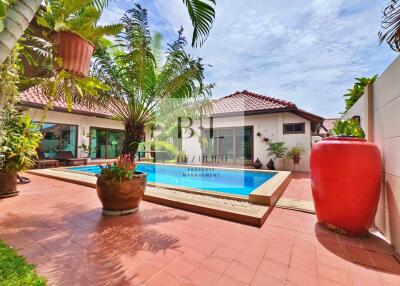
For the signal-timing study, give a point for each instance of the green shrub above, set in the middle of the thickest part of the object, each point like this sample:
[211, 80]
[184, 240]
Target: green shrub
[15, 271]
[350, 127]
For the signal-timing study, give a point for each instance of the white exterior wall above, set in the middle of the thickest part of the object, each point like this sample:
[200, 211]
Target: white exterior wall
[269, 125]
[82, 121]
[385, 119]
[358, 109]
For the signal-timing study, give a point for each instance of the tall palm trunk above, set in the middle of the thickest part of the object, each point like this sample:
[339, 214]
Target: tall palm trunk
[18, 18]
[134, 134]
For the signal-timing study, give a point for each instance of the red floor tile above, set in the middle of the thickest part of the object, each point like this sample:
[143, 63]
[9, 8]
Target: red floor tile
[59, 226]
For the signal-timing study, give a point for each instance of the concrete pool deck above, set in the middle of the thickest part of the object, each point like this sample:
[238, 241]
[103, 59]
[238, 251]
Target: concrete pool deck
[221, 205]
[236, 209]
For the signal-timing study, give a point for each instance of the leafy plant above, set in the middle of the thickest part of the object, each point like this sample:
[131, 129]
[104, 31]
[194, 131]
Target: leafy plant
[4, 4]
[277, 149]
[123, 168]
[20, 141]
[77, 16]
[202, 15]
[140, 84]
[14, 270]
[390, 26]
[85, 149]
[357, 91]
[350, 127]
[295, 152]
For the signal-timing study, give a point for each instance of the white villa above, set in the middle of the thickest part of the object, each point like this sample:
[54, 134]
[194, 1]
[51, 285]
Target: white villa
[243, 124]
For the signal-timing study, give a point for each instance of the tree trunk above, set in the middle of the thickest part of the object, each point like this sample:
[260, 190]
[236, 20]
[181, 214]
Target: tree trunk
[134, 134]
[18, 18]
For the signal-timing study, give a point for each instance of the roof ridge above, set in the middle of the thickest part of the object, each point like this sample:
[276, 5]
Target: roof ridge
[273, 99]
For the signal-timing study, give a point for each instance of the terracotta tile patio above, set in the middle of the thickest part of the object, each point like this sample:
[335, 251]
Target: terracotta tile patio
[59, 226]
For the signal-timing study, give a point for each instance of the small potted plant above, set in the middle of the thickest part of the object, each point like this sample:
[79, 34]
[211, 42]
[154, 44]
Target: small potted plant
[75, 32]
[277, 150]
[18, 147]
[346, 173]
[295, 154]
[119, 187]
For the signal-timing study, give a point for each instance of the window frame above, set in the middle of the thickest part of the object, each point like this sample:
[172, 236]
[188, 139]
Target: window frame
[303, 124]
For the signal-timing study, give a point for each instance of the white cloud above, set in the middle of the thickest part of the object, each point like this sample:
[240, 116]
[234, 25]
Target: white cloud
[304, 51]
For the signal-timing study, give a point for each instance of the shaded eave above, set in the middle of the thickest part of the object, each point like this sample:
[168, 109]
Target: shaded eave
[299, 112]
[64, 110]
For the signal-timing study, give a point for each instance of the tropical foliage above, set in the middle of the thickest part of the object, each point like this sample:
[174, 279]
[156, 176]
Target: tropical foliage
[15, 271]
[390, 26]
[357, 91]
[277, 149]
[202, 14]
[77, 16]
[350, 127]
[141, 84]
[20, 142]
[123, 168]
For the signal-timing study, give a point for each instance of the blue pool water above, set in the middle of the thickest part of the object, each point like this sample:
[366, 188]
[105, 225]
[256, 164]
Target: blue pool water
[239, 182]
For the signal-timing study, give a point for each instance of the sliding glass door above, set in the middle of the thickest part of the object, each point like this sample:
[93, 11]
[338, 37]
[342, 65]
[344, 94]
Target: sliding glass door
[105, 143]
[233, 145]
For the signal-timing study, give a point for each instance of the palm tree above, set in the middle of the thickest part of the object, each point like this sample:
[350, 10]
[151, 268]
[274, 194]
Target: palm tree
[21, 12]
[390, 31]
[16, 20]
[140, 84]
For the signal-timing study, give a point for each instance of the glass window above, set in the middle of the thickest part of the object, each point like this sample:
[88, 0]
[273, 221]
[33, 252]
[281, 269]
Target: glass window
[57, 137]
[229, 145]
[293, 128]
[244, 145]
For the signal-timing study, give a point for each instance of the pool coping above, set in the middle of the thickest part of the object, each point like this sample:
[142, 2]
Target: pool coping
[261, 201]
[266, 194]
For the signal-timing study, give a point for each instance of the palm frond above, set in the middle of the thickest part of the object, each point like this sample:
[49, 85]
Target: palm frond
[390, 26]
[202, 15]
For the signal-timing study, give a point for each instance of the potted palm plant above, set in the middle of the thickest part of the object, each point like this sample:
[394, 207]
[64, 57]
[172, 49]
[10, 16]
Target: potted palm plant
[119, 187]
[18, 146]
[345, 173]
[278, 151]
[74, 30]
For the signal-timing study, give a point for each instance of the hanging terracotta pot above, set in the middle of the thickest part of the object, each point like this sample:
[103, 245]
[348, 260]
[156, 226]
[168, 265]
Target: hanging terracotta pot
[75, 52]
[8, 183]
[346, 181]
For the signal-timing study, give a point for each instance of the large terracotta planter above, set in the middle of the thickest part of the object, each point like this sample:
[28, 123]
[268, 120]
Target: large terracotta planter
[346, 181]
[8, 184]
[119, 198]
[75, 52]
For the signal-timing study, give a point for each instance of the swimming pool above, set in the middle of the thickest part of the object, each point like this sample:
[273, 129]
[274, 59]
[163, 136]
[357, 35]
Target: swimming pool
[227, 181]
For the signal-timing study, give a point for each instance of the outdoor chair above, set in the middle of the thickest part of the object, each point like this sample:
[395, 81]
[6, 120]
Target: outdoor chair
[43, 162]
[68, 158]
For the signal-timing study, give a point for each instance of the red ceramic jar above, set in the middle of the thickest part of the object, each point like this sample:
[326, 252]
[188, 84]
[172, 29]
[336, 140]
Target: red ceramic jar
[346, 181]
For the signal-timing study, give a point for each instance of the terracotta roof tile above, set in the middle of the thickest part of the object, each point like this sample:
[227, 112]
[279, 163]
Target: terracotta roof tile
[34, 97]
[246, 101]
[328, 124]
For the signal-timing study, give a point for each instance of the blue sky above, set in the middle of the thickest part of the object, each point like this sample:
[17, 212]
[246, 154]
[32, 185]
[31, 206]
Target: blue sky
[304, 51]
